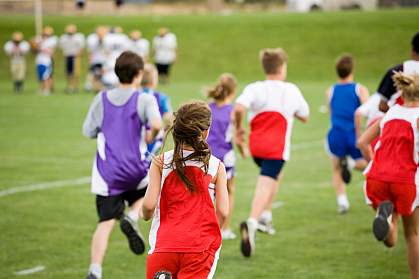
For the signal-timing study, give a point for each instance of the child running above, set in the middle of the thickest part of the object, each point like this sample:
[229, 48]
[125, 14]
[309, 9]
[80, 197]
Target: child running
[149, 84]
[185, 236]
[343, 100]
[273, 105]
[117, 118]
[392, 177]
[221, 136]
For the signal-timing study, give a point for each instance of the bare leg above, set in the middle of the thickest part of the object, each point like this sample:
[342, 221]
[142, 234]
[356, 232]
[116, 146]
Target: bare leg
[100, 241]
[360, 164]
[339, 185]
[231, 190]
[392, 237]
[135, 211]
[274, 192]
[265, 187]
[411, 234]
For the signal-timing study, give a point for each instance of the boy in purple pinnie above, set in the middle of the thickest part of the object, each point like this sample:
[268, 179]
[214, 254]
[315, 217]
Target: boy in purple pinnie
[117, 118]
[221, 135]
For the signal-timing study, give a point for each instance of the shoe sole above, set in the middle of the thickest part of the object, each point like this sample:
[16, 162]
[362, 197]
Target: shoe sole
[245, 246]
[135, 240]
[380, 226]
[345, 173]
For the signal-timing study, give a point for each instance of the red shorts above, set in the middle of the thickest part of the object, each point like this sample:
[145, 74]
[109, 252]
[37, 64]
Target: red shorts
[403, 196]
[182, 265]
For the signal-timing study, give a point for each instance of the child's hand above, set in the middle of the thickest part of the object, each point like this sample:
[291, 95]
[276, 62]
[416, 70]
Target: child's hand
[244, 152]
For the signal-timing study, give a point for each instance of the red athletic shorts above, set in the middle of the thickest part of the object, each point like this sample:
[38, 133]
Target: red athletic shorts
[182, 265]
[403, 196]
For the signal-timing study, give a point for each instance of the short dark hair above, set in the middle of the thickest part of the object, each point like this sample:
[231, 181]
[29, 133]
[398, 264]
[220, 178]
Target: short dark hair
[415, 43]
[344, 65]
[128, 65]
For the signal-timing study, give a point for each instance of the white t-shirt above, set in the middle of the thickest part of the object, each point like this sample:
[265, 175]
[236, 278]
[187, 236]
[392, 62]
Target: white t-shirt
[72, 44]
[370, 109]
[46, 50]
[18, 51]
[272, 105]
[165, 48]
[116, 42]
[141, 47]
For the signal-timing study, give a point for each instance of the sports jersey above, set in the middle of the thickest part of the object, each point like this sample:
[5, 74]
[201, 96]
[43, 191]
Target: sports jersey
[220, 134]
[396, 156]
[370, 109]
[17, 51]
[46, 47]
[72, 44]
[141, 47]
[344, 100]
[96, 47]
[165, 48]
[185, 222]
[118, 118]
[272, 105]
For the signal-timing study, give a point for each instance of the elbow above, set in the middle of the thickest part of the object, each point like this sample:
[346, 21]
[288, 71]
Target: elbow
[148, 211]
[223, 212]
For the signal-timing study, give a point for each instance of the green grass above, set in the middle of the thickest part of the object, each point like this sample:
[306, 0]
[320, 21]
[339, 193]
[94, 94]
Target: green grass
[40, 141]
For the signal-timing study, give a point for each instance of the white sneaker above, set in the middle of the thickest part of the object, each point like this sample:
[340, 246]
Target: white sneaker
[247, 231]
[343, 208]
[228, 234]
[266, 227]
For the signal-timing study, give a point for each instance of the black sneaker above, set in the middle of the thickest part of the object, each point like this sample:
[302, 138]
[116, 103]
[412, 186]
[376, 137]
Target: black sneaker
[247, 239]
[135, 239]
[344, 170]
[91, 276]
[381, 224]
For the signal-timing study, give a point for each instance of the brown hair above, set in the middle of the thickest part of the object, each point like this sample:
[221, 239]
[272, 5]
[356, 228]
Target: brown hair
[190, 121]
[272, 60]
[408, 85]
[226, 86]
[344, 65]
[128, 66]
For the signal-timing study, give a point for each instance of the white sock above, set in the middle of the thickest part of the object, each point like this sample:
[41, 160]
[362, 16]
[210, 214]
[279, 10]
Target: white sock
[96, 270]
[342, 200]
[252, 223]
[266, 216]
[133, 215]
[351, 163]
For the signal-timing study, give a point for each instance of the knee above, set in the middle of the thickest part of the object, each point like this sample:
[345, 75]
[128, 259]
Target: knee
[411, 234]
[231, 189]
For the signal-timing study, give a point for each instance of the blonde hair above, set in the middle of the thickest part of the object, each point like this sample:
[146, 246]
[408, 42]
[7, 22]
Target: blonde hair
[225, 87]
[150, 75]
[408, 85]
[272, 60]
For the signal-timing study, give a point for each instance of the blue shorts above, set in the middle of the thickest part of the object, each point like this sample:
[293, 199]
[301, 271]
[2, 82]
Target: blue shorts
[44, 71]
[343, 143]
[269, 167]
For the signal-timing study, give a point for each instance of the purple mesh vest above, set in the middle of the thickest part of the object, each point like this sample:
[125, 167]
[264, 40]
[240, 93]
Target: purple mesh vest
[123, 168]
[217, 138]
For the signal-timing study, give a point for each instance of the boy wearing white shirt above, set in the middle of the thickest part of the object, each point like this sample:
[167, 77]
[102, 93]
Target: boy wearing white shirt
[164, 46]
[139, 45]
[272, 104]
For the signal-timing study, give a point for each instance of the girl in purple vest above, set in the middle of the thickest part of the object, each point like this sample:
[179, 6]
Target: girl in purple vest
[220, 136]
[118, 119]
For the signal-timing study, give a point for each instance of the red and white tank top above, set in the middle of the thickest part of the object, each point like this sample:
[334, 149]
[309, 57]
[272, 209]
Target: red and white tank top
[186, 222]
[396, 156]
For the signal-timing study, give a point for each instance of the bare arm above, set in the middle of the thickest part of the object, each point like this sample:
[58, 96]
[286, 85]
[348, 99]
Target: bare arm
[221, 195]
[153, 190]
[363, 94]
[366, 138]
[240, 134]
[358, 123]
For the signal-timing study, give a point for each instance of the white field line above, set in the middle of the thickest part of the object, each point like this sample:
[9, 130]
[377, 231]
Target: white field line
[46, 185]
[277, 204]
[85, 180]
[38, 268]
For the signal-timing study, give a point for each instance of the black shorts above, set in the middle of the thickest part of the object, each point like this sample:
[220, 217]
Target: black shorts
[112, 207]
[269, 167]
[70, 65]
[163, 69]
[96, 69]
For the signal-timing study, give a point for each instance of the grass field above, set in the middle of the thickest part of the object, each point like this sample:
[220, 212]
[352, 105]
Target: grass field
[41, 141]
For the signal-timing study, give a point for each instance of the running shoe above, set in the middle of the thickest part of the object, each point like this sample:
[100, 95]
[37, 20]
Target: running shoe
[247, 245]
[381, 224]
[135, 239]
[344, 170]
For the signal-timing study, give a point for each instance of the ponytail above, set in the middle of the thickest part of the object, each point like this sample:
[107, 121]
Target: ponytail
[408, 85]
[225, 87]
